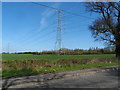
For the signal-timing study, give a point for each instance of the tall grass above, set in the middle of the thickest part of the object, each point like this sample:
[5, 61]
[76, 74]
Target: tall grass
[30, 66]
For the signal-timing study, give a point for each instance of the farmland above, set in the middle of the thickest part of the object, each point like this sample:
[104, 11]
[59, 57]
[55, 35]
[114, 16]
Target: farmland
[26, 64]
[52, 57]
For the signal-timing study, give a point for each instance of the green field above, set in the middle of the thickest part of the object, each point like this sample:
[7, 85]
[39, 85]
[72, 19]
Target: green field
[51, 57]
[26, 64]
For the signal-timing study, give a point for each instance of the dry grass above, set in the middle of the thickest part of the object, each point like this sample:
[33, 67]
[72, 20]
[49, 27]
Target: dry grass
[38, 64]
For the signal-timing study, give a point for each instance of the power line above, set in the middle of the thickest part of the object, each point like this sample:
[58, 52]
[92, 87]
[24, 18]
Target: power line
[60, 10]
[45, 6]
[47, 34]
[48, 39]
[41, 38]
[58, 43]
[37, 37]
[32, 34]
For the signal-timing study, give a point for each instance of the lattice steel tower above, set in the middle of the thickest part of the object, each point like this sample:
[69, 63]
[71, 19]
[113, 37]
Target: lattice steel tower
[58, 43]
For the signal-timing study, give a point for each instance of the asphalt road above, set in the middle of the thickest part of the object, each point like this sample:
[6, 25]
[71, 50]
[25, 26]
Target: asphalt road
[107, 79]
[98, 80]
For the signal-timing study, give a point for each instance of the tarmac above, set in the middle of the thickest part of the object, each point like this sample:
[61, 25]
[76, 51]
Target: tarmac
[104, 77]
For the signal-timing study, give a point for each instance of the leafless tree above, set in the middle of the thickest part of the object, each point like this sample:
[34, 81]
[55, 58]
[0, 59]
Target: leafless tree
[107, 26]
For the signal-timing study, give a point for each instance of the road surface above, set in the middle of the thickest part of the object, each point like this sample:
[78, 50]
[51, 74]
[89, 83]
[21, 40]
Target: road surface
[102, 79]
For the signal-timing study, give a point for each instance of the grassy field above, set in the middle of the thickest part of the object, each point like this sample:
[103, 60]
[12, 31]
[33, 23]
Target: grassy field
[51, 57]
[26, 64]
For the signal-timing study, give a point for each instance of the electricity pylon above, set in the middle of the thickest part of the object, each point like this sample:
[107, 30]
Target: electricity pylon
[58, 43]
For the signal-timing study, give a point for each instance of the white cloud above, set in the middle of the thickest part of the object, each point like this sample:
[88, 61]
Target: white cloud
[43, 21]
[47, 14]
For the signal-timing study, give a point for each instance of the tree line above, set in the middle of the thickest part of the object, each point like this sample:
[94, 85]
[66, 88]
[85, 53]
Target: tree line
[65, 51]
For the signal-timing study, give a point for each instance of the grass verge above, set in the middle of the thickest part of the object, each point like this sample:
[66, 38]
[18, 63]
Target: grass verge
[10, 72]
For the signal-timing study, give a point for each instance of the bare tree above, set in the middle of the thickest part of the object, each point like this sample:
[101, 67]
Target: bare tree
[107, 26]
